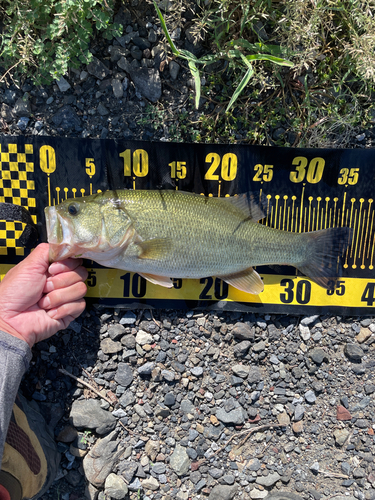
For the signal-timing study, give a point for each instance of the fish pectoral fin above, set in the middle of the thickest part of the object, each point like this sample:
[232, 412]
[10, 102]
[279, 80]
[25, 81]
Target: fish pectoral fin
[247, 281]
[158, 280]
[155, 249]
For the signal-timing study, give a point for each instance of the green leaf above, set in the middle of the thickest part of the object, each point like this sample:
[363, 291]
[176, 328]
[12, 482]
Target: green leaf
[240, 42]
[165, 29]
[208, 59]
[38, 47]
[276, 60]
[275, 50]
[244, 18]
[245, 61]
[185, 54]
[245, 80]
[197, 81]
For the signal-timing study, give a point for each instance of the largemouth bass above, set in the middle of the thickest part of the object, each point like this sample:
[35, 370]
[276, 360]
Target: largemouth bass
[174, 234]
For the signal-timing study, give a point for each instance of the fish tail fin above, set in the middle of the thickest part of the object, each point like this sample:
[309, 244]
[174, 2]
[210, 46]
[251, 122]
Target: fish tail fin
[324, 251]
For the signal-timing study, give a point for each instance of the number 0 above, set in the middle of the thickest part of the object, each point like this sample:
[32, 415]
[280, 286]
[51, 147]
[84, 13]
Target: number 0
[47, 159]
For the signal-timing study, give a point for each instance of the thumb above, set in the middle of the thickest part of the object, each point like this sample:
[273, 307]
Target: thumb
[37, 261]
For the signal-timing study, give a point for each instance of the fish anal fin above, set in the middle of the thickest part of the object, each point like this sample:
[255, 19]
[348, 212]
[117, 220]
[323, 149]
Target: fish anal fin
[247, 281]
[158, 280]
[154, 249]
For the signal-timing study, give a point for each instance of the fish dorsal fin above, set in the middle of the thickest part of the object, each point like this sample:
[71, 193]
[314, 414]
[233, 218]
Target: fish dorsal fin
[252, 205]
[247, 281]
[158, 280]
[155, 249]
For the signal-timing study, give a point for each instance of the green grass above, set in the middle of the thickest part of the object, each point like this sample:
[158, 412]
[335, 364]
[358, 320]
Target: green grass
[302, 68]
[320, 88]
[41, 39]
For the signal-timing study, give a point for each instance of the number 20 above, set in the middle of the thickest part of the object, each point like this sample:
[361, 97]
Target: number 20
[228, 167]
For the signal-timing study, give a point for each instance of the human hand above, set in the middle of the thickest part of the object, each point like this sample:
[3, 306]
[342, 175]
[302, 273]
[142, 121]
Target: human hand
[38, 299]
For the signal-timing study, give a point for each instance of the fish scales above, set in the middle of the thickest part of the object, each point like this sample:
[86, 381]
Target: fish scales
[207, 235]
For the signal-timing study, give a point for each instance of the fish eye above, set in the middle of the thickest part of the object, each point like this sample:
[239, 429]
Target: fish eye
[73, 209]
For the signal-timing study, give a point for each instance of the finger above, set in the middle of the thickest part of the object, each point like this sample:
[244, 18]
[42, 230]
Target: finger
[67, 312]
[64, 266]
[37, 260]
[64, 280]
[36, 263]
[62, 296]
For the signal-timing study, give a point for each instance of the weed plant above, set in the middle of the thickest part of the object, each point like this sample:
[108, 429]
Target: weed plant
[321, 101]
[284, 72]
[43, 38]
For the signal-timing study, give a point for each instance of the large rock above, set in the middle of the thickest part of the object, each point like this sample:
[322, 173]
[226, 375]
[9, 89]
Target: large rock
[99, 461]
[318, 355]
[152, 449]
[150, 483]
[124, 374]
[222, 492]
[115, 487]
[341, 435]
[127, 399]
[241, 370]
[242, 331]
[241, 349]
[354, 352]
[269, 480]
[66, 118]
[187, 406]
[179, 461]
[236, 416]
[87, 414]
[97, 68]
[255, 375]
[147, 81]
[143, 338]
[108, 346]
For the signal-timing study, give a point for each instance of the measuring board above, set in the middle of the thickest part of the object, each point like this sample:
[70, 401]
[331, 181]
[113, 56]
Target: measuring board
[305, 189]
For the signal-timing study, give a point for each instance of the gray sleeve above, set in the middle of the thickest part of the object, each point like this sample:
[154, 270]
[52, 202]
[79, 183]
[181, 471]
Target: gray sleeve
[15, 356]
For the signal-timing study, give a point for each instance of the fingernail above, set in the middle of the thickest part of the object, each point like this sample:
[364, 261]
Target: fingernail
[49, 286]
[53, 268]
[52, 313]
[46, 302]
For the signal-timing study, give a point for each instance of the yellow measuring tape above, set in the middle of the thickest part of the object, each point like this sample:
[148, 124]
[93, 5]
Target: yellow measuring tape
[306, 190]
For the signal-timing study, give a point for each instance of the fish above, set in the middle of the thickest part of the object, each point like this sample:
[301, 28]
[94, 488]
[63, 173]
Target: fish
[165, 234]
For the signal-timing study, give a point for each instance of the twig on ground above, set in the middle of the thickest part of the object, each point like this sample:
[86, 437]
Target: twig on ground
[255, 429]
[86, 384]
[333, 474]
[154, 320]
[247, 432]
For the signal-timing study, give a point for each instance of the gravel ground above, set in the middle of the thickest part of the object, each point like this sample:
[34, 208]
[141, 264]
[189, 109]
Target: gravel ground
[192, 405]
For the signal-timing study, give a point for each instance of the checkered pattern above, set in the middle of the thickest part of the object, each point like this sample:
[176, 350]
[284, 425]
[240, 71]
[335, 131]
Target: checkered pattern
[17, 186]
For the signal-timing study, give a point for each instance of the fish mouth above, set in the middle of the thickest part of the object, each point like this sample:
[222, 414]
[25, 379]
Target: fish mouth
[59, 235]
